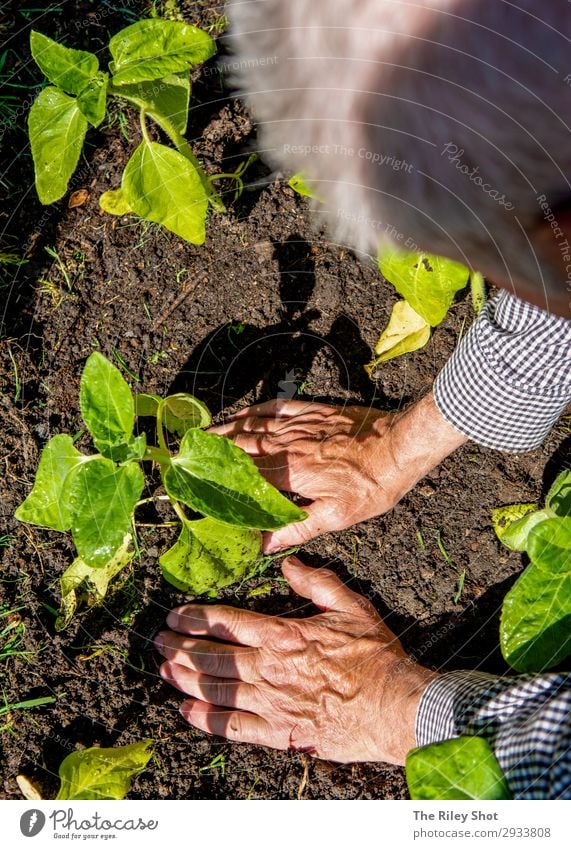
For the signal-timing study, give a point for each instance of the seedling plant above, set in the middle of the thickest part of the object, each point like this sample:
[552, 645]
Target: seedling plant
[150, 70]
[95, 496]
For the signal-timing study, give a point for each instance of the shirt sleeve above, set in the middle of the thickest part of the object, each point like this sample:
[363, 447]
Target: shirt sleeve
[526, 720]
[509, 379]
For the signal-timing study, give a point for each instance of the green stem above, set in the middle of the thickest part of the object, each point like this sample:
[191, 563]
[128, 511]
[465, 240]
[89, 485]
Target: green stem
[142, 115]
[478, 290]
[177, 139]
[153, 498]
[179, 512]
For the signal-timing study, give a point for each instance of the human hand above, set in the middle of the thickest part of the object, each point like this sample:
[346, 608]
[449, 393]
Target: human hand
[337, 685]
[352, 463]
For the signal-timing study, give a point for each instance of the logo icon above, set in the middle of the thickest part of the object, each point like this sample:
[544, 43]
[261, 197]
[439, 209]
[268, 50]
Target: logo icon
[32, 822]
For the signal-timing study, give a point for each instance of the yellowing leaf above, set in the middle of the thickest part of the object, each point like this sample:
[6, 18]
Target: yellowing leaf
[300, 184]
[209, 555]
[81, 582]
[429, 283]
[406, 331]
[114, 202]
[102, 773]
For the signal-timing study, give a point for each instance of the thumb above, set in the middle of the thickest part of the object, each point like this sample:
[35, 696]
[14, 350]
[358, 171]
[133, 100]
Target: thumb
[321, 518]
[322, 586]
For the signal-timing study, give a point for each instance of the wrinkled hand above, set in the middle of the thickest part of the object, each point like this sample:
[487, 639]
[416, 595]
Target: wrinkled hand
[352, 463]
[337, 685]
[340, 458]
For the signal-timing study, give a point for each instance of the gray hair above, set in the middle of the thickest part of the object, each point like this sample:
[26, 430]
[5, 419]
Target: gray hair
[436, 125]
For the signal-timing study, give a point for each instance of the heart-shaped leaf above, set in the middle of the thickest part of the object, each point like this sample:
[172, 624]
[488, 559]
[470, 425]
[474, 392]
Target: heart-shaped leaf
[209, 555]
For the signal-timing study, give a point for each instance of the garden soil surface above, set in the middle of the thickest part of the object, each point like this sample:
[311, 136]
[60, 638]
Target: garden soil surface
[267, 307]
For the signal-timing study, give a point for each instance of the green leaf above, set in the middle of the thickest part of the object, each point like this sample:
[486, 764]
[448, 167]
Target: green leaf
[153, 49]
[114, 202]
[181, 412]
[108, 409]
[46, 504]
[93, 99]
[161, 185]
[57, 131]
[559, 496]
[102, 773]
[300, 185]
[169, 97]
[463, 768]
[209, 555]
[406, 331]
[535, 625]
[513, 524]
[147, 405]
[103, 497]
[81, 582]
[69, 69]
[429, 283]
[216, 478]
[549, 545]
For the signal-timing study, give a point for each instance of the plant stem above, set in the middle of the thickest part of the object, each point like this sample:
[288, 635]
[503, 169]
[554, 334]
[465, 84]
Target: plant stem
[142, 115]
[152, 499]
[478, 290]
[179, 512]
[177, 139]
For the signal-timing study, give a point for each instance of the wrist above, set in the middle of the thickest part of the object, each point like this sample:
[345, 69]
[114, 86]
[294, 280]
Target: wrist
[420, 438]
[404, 687]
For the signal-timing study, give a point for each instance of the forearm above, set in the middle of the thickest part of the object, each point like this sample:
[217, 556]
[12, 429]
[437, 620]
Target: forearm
[419, 439]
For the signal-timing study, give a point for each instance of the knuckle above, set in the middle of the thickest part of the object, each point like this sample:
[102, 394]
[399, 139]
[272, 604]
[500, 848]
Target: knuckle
[287, 636]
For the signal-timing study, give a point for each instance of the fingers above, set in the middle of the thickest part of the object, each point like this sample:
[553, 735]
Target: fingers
[222, 623]
[222, 661]
[322, 516]
[238, 726]
[324, 588]
[281, 407]
[225, 692]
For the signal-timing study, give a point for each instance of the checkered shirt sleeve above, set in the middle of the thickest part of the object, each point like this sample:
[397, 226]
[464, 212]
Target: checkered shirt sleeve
[526, 719]
[509, 379]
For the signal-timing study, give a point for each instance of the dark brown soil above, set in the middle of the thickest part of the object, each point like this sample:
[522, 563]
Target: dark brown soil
[265, 297]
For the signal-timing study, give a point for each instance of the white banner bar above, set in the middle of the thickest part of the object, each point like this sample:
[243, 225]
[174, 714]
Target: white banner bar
[206, 824]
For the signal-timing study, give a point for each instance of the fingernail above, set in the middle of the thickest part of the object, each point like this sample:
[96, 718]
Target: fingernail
[172, 619]
[165, 671]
